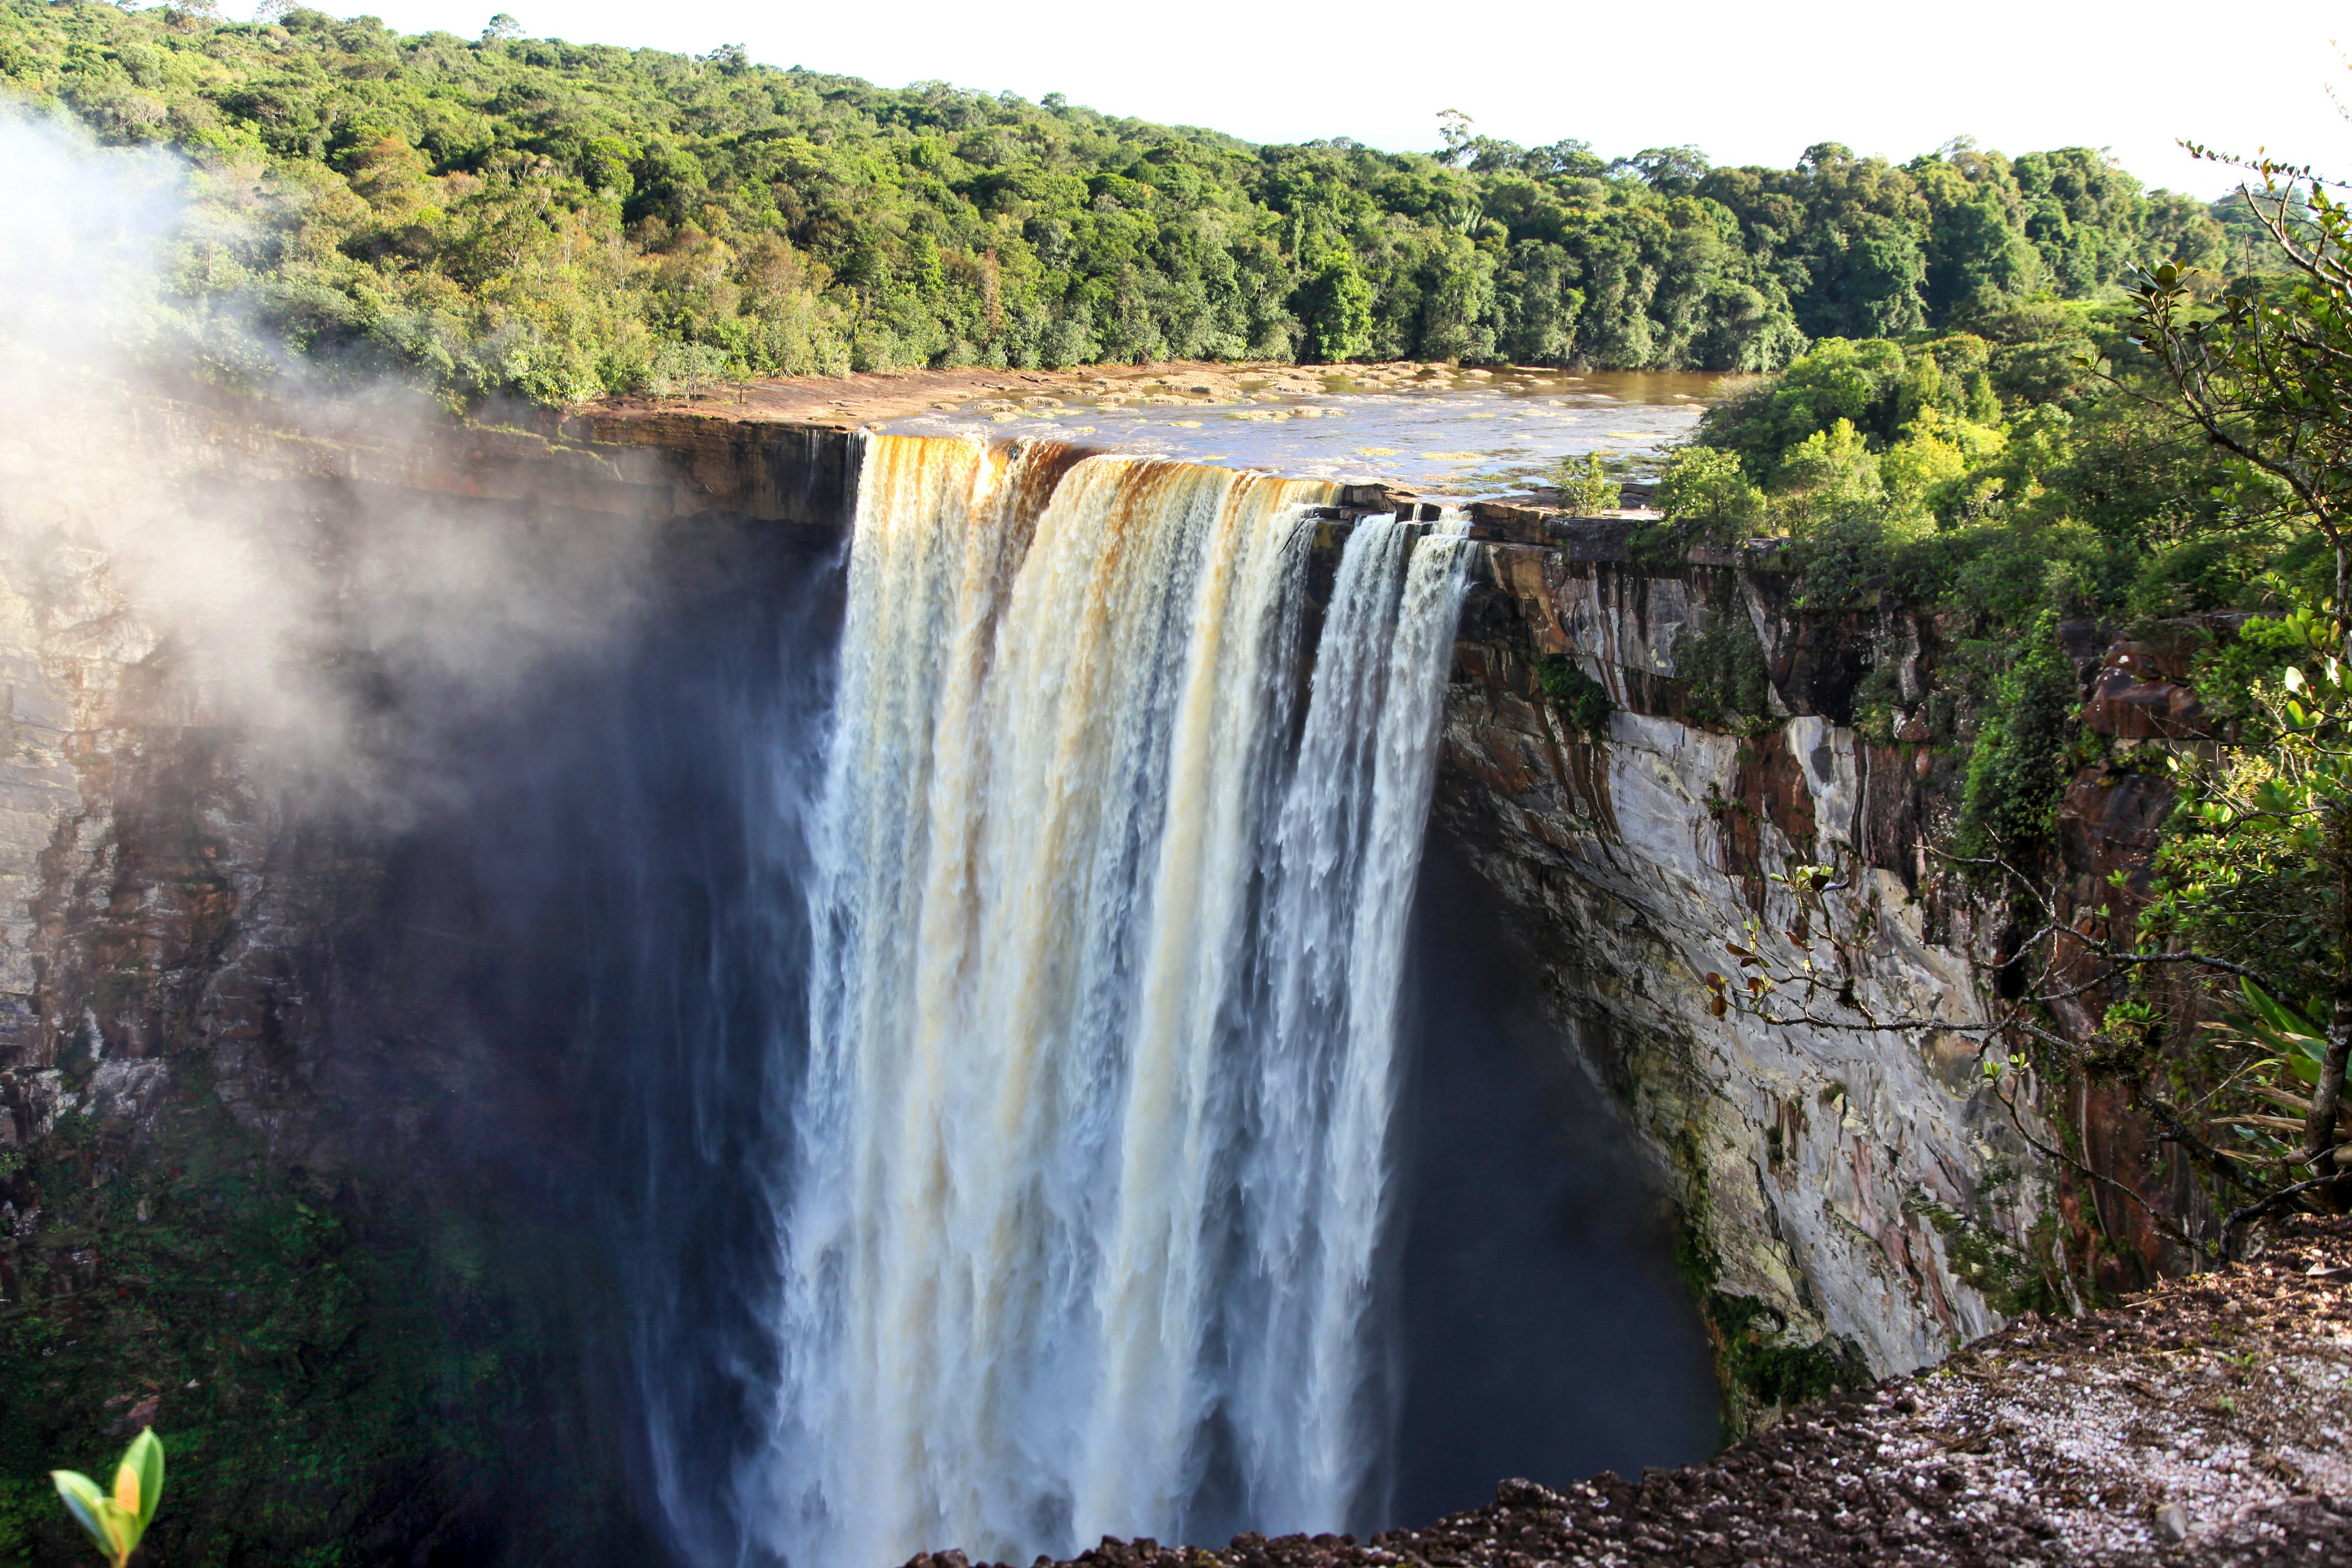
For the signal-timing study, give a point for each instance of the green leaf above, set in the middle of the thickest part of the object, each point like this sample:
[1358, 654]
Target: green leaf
[82, 1499]
[2299, 1041]
[2277, 1014]
[144, 1458]
[112, 1527]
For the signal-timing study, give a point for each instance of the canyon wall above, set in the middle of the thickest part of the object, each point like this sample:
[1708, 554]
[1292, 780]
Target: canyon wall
[1853, 1203]
[205, 925]
[284, 1154]
[176, 869]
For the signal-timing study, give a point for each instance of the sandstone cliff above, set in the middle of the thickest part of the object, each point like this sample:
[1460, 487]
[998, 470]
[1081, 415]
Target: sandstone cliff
[1853, 1203]
[280, 1171]
[217, 977]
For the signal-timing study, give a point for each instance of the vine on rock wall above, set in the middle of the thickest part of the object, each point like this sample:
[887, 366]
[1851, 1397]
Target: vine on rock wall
[2017, 769]
[1583, 703]
[1761, 1372]
[1721, 664]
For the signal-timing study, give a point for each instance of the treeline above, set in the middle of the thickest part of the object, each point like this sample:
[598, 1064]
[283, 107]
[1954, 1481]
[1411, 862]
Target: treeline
[2029, 472]
[528, 216]
[2166, 476]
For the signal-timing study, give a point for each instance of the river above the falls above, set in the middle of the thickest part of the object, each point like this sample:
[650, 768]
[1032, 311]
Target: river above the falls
[1470, 433]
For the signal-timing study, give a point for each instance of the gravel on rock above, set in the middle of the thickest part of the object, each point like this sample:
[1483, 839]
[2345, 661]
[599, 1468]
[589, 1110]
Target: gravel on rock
[2205, 1422]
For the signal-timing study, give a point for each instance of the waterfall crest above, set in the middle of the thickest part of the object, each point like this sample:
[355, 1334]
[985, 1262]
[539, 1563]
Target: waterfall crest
[1090, 1159]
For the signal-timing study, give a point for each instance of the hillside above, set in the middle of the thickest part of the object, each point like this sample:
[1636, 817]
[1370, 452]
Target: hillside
[527, 217]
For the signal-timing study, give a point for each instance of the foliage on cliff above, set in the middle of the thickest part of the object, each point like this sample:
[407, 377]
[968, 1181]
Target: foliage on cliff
[532, 217]
[2028, 471]
[2018, 766]
[319, 1351]
[2001, 470]
[2148, 468]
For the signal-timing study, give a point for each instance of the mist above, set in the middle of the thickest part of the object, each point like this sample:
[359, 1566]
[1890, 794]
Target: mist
[506, 812]
[500, 801]
[1548, 1333]
[166, 473]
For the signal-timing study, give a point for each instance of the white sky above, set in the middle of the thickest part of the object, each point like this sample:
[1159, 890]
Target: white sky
[1753, 83]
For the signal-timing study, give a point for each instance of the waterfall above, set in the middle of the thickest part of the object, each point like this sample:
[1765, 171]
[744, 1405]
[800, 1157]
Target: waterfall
[1090, 1160]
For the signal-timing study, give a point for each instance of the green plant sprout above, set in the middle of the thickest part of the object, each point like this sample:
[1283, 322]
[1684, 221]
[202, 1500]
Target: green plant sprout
[117, 1522]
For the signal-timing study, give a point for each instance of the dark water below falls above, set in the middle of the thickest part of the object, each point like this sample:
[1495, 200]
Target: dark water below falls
[980, 967]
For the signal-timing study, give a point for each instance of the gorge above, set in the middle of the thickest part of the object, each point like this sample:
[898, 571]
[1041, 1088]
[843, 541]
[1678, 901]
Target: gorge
[754, 821]
[533, 953]
[651, 982]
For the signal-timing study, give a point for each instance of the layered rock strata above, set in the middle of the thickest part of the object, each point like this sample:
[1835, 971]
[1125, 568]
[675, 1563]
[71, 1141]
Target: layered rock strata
[1852, 1202]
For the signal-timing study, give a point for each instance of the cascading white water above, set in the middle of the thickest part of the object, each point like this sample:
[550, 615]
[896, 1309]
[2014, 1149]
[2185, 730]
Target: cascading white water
[1319, 1059]
[1091, 1154]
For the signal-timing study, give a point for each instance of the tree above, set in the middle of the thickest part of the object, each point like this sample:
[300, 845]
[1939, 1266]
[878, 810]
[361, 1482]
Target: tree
[2267, 376]
[1337, 312]
[1453, 131]
[1707, 489]
[1670, 169]
[1975, 254]
[1829, 477]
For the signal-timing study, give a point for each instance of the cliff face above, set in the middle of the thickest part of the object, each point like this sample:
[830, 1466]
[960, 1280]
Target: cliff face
[240, 1053]
[281, 1166]
[142, 919]
[179, 857]
[1851, 1201]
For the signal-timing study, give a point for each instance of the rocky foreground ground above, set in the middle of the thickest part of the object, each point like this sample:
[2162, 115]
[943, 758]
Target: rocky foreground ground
[2203, 1423]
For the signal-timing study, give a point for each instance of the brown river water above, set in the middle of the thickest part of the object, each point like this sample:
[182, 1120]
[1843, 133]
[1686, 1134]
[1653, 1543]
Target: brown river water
[1438, 429]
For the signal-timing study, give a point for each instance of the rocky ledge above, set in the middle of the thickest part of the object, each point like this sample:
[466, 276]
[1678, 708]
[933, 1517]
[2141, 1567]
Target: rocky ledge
[2200, 1423]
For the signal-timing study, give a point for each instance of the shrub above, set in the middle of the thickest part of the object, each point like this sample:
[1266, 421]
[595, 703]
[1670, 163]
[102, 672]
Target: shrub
[1707, 489]
[2017, 769]
[1582, 701]
[1829, 477]
[1586, 489]
[1722, 666]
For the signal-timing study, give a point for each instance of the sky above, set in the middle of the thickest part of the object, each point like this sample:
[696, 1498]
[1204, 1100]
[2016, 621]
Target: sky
[1746, 83]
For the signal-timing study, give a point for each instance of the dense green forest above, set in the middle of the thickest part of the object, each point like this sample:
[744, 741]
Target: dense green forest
[528, 216]
[2022, 466]
[2159, 482]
